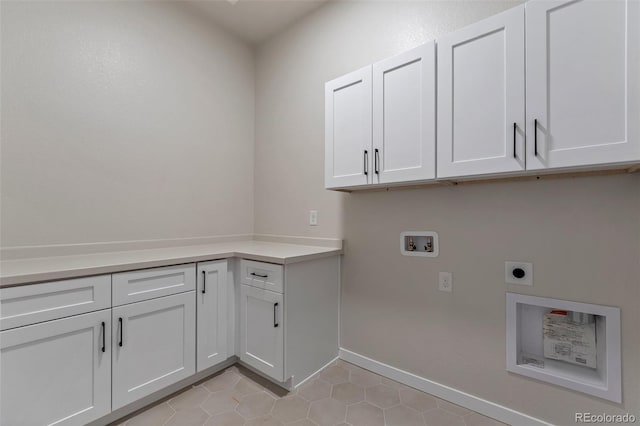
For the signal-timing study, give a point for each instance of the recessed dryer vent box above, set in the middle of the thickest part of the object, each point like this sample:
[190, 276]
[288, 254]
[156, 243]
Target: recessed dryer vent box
[533, 341]
[419, 243]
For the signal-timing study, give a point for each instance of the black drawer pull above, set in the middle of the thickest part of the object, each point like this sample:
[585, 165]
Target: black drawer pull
[514, 141]
[535, 137]
[275, 315]
[366, 162]
[260, 275]
[104, 343]
[121, 326]
[377, 161]
[204, 282]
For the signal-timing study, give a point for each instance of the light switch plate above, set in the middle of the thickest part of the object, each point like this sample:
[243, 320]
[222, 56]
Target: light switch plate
[510, 278]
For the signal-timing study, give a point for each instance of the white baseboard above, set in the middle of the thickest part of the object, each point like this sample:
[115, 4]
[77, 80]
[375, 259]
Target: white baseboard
[447, 393]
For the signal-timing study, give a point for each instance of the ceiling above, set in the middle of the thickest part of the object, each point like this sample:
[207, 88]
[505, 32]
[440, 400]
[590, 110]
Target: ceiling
[255, 20]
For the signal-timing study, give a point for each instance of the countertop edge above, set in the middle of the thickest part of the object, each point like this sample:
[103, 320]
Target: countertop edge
[62, 274]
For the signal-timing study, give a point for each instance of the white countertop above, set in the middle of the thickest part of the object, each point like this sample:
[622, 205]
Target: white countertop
[25, 271]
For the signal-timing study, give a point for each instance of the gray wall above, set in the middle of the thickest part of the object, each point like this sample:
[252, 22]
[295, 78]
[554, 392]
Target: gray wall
[123, 121]
[583, 234]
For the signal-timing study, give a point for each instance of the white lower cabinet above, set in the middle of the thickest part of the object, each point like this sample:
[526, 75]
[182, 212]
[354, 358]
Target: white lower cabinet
[153, 346]
[57, 372]
[211, 307]
[262, 330]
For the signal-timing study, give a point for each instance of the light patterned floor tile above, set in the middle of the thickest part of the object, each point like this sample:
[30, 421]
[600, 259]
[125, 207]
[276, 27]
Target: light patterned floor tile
[382, 396]
[418, 400]
[191, 398]
[365, 414]
[290, 409]
[154, 416]
[401, 415]
[341, 395]
[315, 390]
[335, 375]
[219, 402]
[348, 393]
[255, 405]
[188, 417]
[230, 418]
[327, 412]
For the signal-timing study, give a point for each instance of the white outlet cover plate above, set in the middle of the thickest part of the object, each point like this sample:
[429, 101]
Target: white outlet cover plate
[445, 281]
[509, 266]
[313, 217]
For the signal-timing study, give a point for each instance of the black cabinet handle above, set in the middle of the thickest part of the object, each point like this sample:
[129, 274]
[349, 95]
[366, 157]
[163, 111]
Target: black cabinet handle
[275, 314]
[259, 275]
[204, 282]
[104, 343]
[514, 141]
[377, 161]
[366, 162]
[120, 321]
[535, 137]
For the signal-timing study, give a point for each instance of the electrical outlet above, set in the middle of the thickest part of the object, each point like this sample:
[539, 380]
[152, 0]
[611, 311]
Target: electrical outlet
[313, 217]
[445, 281]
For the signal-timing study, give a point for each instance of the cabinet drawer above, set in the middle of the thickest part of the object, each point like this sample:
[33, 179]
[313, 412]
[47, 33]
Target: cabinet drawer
[34, 303]
[262, 275]
[136, 286]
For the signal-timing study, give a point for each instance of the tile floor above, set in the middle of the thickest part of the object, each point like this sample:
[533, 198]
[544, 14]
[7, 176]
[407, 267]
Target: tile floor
[341, 394]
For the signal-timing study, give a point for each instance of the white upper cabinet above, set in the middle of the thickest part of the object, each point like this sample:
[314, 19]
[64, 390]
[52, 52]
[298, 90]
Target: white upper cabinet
[582, 82]
[211, 308]
[481, 88]
[348, 130]
[404, 116]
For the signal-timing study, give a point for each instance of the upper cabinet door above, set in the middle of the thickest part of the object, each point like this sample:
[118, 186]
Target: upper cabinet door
[348, 130]
[404, 114]
[582, 82]
[481, 97]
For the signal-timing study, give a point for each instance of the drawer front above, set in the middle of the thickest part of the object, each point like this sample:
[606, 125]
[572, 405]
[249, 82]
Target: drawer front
[30, 304]
[136, 286]
[262, 275]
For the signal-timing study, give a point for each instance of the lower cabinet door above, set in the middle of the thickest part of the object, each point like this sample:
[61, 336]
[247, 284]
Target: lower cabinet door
[262, 330]
[56, 372]
[153, 346]
[211, 307]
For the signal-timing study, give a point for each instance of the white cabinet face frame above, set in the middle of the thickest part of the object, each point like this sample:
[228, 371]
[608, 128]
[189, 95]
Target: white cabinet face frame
[211, 307]
[57, 372]
[262, 330]
[404, 116]
[481, 89]
[154, 345]
[348, 156]
[583, 90]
